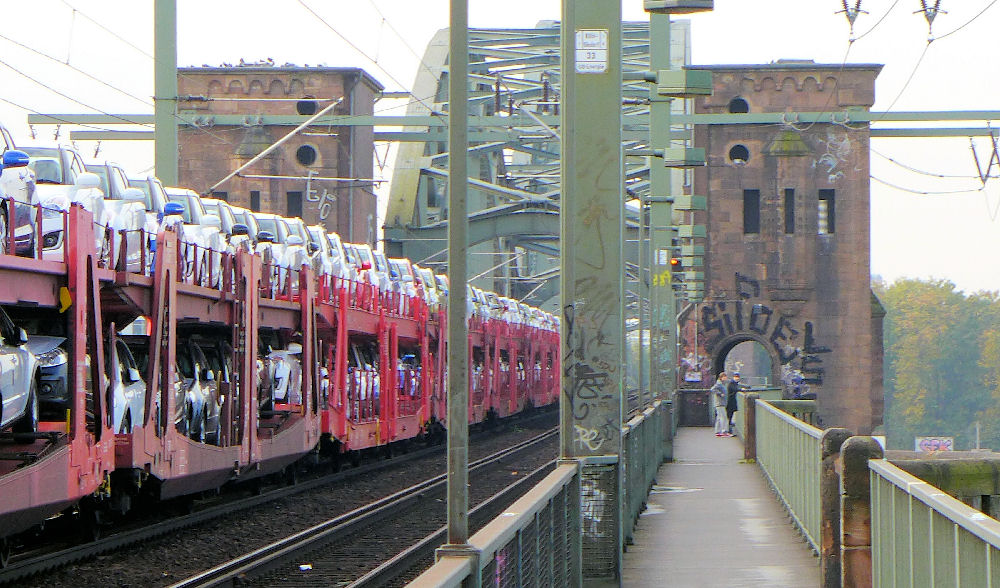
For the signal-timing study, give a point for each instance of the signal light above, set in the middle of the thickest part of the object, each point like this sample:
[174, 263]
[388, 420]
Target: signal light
[676, 265]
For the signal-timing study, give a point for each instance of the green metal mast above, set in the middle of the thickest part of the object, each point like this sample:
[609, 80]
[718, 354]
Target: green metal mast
[165, 89]
[592, 278]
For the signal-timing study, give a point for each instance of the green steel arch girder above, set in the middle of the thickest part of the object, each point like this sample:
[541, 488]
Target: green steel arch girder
[515, 220]
[514, 160]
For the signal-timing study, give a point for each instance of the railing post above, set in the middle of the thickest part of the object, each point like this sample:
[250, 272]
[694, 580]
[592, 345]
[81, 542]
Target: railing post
[668, 430]
[855, 511]
[829, 500]
[750, 426]
[40, 233]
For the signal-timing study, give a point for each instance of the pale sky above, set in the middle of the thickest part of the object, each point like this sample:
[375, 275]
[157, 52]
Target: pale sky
[913, 235]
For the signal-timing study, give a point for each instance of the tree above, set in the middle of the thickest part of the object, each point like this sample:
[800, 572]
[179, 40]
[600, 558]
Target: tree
[942, 361]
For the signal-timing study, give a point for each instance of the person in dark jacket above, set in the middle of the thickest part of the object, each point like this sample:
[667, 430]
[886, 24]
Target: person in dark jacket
[731, 389]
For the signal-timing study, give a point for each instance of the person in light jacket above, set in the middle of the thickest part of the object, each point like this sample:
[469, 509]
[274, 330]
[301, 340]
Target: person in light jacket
[719, 397]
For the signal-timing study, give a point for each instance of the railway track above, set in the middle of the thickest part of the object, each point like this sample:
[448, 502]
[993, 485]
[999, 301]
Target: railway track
[42, 561]
[420, 555]
[245, 569]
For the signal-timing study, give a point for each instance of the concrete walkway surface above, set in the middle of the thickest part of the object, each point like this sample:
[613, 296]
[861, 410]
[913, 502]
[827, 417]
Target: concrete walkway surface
[713, 521]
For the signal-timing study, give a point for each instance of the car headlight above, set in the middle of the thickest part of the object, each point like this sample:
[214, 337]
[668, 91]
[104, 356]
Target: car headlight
[51, 240]
[54, 358]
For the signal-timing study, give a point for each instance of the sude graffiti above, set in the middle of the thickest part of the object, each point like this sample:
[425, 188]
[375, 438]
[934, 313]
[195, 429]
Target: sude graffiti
[795, 344]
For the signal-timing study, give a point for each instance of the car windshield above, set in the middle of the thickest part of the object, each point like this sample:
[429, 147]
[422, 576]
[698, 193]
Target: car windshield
[211, 208]
[47, 170]
[299, 228]
[102, 172]
[270, 225]
[318, 237]
[365, 255]
[185, 202]
[46, 163]
[197, 208]
[144, 186]
[398, 268]
[245, 218]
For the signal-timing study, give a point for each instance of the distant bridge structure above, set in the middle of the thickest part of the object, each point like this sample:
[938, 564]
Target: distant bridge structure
[514, 188]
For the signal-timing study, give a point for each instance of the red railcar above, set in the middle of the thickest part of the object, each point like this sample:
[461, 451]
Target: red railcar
[371, 371]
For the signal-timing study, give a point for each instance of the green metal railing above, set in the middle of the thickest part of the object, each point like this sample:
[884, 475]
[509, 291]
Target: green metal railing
[769, 394]
[790, 455]
[924, 537]
[535, 542]
[643, 450]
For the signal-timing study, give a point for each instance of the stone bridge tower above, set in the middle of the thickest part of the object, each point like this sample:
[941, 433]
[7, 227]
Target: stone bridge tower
[787, 259]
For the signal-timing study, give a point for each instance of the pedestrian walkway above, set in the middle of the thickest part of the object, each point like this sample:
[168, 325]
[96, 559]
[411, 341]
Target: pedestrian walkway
[713, 521]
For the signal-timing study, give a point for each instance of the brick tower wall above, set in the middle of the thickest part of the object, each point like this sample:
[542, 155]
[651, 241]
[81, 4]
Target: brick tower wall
[805, 296]
[209, 152]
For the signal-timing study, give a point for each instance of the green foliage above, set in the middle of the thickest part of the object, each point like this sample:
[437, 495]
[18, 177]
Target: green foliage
[942, 362]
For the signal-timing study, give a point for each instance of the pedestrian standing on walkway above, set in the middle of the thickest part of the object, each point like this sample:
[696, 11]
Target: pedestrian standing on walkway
[731, 390]
[719, 395]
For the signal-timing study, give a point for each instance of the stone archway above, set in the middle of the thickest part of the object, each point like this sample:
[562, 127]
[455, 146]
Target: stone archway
[723, 348]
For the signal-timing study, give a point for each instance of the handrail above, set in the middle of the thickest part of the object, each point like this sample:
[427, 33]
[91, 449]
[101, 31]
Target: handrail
[773, 407]
[921, 536]
[789, 453]
[452, 570]
[963, 515]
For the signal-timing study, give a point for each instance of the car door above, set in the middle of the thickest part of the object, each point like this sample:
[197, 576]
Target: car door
[14, 386]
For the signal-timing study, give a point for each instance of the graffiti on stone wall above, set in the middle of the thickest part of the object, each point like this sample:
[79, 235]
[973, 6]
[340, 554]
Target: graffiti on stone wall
[589, 376]
[695, 367]
[834, 159]
[324, 202]
[794, 343]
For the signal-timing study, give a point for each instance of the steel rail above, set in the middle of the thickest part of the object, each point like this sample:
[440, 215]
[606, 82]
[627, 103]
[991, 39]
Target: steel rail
[17, 570]
[405, 560]
[270, 556]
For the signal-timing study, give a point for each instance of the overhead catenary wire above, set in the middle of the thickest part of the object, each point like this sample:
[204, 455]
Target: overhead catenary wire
[877, 23]
[360, 51]
[930, 13]
[276, 144]
[968, 22]
[920, 171]
[927, 192]
[829, 98]
[909, 79]
[77, 11]
[61, 121]
[77, 69]
[68, 97]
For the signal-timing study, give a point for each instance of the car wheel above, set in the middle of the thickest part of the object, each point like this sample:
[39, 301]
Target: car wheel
[24, 429]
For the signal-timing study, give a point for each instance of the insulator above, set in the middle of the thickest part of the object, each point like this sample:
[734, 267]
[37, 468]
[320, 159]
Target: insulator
[851, 12]
[930, 13]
